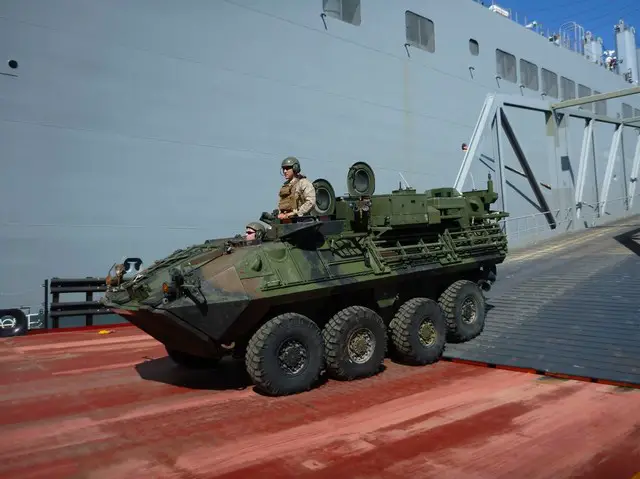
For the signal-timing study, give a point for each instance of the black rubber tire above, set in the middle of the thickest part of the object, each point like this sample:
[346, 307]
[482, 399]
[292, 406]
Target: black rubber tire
[336, 333]
[21, 326]
[261, 359]
[405, 327]
[451, 301]
[190, 361]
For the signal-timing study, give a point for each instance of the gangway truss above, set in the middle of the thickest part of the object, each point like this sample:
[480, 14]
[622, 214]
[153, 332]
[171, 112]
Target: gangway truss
[569, 307]
[560, 206]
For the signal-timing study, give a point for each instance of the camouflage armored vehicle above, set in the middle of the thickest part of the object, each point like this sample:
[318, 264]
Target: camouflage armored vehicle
[329, 291]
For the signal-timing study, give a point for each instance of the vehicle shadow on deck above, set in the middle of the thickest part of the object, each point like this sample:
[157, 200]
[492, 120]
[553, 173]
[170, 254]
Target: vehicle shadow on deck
[229, 374]
[630, 240]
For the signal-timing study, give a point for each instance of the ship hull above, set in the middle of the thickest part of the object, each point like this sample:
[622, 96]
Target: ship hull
[132, 130]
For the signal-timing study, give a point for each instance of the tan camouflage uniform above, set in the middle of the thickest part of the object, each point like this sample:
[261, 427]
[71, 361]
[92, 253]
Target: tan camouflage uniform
[297, 196]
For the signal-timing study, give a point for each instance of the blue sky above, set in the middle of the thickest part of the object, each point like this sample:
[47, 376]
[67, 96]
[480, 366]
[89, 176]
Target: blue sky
[599, 17]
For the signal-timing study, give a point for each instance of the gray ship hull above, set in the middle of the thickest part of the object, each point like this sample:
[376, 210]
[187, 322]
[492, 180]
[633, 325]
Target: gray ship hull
[136, 128]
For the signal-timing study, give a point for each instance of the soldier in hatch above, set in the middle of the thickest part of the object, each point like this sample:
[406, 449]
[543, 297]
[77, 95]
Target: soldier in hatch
[297, 196]
[255, 231]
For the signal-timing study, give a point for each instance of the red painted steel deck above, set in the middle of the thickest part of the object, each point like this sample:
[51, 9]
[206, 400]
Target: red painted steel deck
[80, 404]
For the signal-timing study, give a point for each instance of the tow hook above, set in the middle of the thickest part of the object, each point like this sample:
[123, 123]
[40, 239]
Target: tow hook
[484, 285]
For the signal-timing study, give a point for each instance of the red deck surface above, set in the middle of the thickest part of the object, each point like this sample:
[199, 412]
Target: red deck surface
[80, 404]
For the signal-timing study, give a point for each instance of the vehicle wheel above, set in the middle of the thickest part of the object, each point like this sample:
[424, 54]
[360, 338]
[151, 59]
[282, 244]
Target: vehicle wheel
[418, 331]
[13, 322]
[355, 341]
[286, 355]
[190, 361]
[463, 305]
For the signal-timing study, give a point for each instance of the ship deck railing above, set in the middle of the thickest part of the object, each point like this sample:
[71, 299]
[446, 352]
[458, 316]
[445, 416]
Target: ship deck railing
[571, 35]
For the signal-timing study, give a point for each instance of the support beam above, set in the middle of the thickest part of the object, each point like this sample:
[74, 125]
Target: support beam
[485, 118]
[635, 170]
[542, 201]
[503, 176]
[543, 107]
[585, 153]
[593, 98]
[631, 121]
[554, 128]
[608, 175]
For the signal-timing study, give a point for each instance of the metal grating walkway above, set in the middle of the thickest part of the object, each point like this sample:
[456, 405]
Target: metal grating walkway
[569, 309]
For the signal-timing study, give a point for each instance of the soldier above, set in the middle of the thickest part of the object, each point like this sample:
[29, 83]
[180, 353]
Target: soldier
[297, 196]
[255, 231]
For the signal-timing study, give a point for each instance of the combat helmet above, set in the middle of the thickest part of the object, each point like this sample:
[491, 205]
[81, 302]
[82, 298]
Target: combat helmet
[293, 162]
[259, 227]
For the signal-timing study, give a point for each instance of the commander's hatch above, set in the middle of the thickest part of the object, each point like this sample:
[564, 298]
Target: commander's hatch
[292, 231]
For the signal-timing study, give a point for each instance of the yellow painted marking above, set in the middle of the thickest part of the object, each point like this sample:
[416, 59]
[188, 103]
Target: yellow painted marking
[564, 245]
[615, 251]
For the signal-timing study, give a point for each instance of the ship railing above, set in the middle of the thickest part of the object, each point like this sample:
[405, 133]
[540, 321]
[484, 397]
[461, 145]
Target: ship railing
[521, 20]
[56, 313]
[529, 229]
[570, 35]
[72, 310]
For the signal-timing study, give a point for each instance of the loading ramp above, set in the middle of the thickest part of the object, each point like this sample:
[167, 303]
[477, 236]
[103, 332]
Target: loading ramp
[570, 309]
[569, 306]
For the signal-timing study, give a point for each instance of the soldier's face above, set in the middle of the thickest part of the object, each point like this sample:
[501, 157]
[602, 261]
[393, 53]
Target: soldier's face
[287, 171]
[250, 234]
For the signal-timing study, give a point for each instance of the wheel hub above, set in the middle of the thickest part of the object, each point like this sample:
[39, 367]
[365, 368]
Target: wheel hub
[427, 333]
[468, 311]
[360, 345]
[292, 356]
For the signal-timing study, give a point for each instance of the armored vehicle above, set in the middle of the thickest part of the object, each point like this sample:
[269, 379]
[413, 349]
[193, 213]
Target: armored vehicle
[329, 291]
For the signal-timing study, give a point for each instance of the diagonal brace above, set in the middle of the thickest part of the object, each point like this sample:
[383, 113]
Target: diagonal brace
[608, 175]
[487, 114]
[584, 160]
[527, 169]
[635, 169]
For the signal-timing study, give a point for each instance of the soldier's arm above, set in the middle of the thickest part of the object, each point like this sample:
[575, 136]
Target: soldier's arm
[309, 194]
